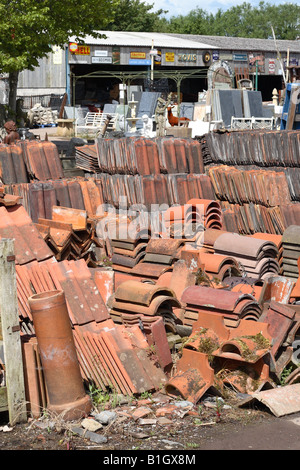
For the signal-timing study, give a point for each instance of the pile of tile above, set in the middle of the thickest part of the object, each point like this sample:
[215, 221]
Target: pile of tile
[257, 258]
[291, 251]
[142, 156]
[8, 200]
[16, 224]
[128, 252]
[27, 160]
[262, 148]
[71, 235]
[12, 164]
[240, 186]
[142, 298]
[110, 356]
[231, 306]
[92, 193]
[247, 358]
[86, 158]
[211, 266]
[195, 215]
[250, 218]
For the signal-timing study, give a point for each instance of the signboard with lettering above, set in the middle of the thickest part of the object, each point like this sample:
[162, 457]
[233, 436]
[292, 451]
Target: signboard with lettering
[238, 57]
[116, 55]
[101, 60]
[225, 56]
[187, 57]
[170, 56]
[137, 55]
[157, 58]
[99, 53]
[256, 58]
[272, 66]
[139, 62]
[83, 50]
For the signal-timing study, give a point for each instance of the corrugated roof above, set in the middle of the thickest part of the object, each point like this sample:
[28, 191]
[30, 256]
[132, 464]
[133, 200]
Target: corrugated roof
[139, 39]
[237, 43]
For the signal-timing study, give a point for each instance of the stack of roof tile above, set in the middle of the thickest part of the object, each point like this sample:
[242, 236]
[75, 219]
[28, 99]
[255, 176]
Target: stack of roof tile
[16, 224]
[90, 194]
[117, 358]
[231, 306]
[12, 165]
[142, 156]
[215, 357]
[251, 218]
[72, 235]
[262, 148]
[291, 251]
[8, 200]
[84, 302]
[258, 258]
[86, 158]
[195, 215]
[110, 356]
[142, 298]
[160, 256]
[242, 186]
[27, 160]
[128, 252]
[214, 266]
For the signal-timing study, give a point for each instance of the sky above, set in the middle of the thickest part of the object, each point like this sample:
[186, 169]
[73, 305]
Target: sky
[180, 7]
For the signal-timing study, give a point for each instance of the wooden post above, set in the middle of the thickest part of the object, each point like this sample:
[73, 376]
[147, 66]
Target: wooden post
[14, 375]
[294, 96]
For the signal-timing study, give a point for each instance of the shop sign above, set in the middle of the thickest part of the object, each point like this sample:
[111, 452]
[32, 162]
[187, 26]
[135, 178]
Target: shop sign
[101, 53]
[139, 62]
[83, 50]
[137, 55]
[57, 55]
[170, 56]
[187, 57]
[256, 59]
[101, 60]
[253, 58]
[271, 66]
[73, 47]
[225, 56]
[116, 55]
[240, 57]
[157, 58]
[292, 61]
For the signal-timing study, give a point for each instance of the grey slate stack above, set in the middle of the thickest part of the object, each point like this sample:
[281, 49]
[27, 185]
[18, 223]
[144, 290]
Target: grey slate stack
[147, 105]
[252, 101]
[225, 104]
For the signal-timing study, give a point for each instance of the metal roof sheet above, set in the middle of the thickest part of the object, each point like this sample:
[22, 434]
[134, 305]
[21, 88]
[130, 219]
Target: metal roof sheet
[139, 39]
[237, 43]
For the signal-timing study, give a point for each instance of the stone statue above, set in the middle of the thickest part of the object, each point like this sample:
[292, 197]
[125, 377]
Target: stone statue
[147, 126]
[12, 134]
[160, 115]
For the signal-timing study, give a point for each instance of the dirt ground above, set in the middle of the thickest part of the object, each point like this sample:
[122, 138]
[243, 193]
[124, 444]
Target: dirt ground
[188, 428]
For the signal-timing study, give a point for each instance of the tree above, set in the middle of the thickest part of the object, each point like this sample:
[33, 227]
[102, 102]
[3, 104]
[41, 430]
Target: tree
[244, 20]
[135, 15]
[30, 28]
[255, 22]
[198, 21]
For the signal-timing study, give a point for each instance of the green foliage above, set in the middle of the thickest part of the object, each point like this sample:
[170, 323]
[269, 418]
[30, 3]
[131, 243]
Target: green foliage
[242, 20]
[135, 15]
[29, 28]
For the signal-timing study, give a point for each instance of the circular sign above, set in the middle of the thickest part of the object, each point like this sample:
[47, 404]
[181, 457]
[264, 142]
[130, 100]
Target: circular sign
[206, 57]
[73, 46]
